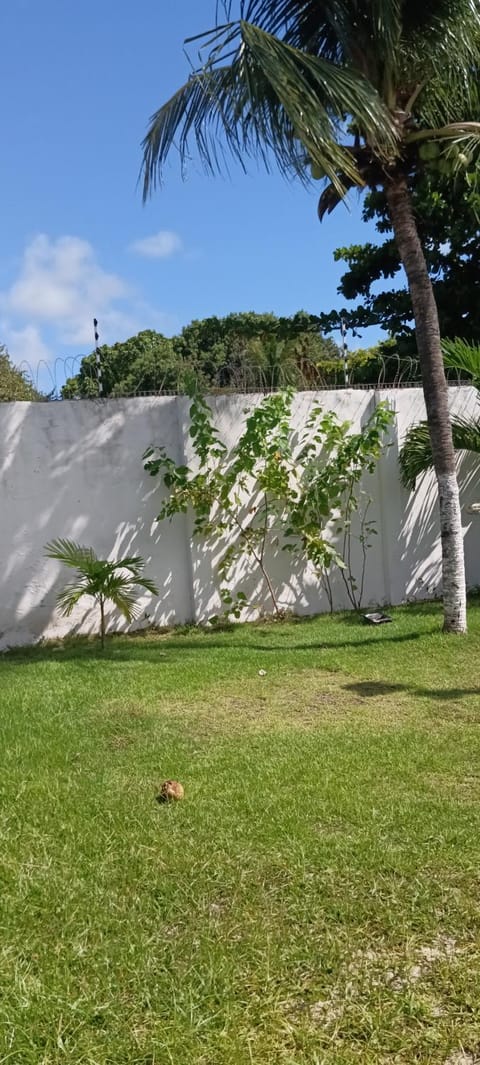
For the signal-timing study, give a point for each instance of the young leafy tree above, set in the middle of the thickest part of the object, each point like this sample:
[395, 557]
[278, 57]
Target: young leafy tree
[102, 580]
[277, 488]
[355, 88]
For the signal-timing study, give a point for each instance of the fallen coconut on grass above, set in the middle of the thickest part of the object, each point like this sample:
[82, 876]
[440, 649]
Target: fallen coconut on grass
[170, 791]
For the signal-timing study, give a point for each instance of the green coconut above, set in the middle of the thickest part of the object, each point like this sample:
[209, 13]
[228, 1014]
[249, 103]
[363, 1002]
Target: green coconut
[429, 151]
[317, 172]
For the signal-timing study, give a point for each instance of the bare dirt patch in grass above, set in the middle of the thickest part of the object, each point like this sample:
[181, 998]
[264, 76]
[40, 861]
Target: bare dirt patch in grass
[307, 700]
[463, 788]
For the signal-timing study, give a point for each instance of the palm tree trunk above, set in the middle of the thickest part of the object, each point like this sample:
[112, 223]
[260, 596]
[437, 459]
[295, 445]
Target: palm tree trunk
[436, 399]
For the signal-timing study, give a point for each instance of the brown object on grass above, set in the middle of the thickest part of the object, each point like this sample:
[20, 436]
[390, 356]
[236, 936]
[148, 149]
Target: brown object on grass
[170, 791]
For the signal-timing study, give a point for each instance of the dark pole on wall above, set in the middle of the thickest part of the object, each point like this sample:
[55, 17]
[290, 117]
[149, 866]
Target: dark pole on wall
[98, 358]
[343, 330]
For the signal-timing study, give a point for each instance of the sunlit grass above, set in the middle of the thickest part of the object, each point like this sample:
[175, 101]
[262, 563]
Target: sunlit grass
[315, 898]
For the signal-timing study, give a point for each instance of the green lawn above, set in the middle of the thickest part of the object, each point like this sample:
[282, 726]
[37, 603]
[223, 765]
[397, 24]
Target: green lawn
[314, 899]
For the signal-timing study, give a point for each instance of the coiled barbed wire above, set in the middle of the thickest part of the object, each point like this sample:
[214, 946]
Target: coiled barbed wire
[391, 372]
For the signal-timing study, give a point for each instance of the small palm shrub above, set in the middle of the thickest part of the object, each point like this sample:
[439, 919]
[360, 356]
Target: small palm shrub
[103, 580]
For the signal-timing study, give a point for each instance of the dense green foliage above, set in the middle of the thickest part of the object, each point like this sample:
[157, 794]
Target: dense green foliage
[248, 349]
[240, 351]
[448, 220]
[14, 383]
[277, 488]
[143, 363]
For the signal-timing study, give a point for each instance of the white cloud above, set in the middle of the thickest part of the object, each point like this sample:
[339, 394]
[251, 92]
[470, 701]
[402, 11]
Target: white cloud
[159, 246]
[25, 345]
[62, 284]
[60, 287]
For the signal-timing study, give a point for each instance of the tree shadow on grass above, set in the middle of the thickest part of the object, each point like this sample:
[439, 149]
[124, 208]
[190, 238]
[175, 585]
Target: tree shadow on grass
[158, 646]
[142, 648]
[371, 689]
[328, 645]
[83, 652]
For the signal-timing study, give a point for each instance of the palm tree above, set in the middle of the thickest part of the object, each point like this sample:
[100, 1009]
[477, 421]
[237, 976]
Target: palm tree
[104, 581]
[360, 90]
[273, 362]
[416, 454]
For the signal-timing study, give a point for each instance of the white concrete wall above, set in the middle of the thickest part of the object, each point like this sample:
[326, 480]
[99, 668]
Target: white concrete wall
[74, 469]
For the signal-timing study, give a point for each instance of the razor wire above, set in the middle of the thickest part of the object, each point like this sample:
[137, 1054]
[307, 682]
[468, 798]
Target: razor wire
[389, 372]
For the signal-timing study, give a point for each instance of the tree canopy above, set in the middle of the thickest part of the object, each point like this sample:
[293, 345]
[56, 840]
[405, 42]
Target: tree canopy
[14, 383]
[239, 351]
[448, 219]
[146, 362]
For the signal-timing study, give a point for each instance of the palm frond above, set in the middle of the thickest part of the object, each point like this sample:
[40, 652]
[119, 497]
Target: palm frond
[451, 98]
[330, 199]
[120, 580]
[370, 172]
[71, 554]
[386, 39]
[132, 563]
[333, 30]
[270, 101]
[68, 598]
[429, 16]
[122, 596]
[147, 584]
[416, 456]
[448, 53]
[460, 355]
[466, 434]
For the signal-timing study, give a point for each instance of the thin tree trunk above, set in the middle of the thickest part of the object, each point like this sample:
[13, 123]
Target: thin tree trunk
[436, 399]
[102, 622]
[259, 560]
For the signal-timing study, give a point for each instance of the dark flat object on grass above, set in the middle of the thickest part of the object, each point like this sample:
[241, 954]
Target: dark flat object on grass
[377, 618]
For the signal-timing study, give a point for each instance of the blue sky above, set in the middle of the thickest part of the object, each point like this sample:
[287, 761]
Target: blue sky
[80, 81]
